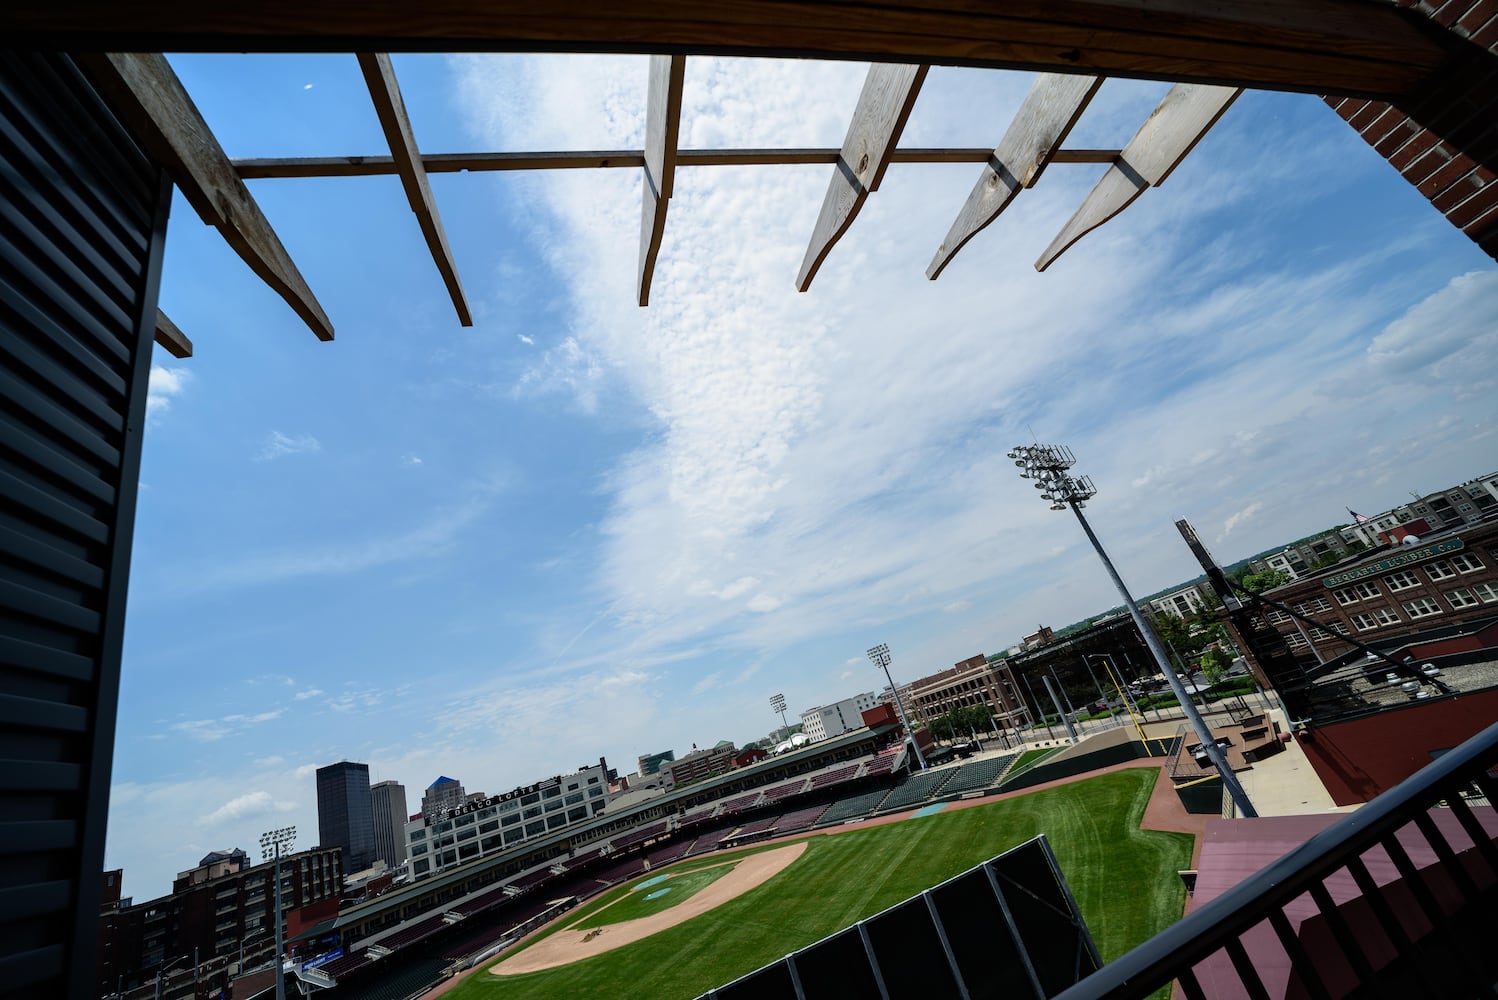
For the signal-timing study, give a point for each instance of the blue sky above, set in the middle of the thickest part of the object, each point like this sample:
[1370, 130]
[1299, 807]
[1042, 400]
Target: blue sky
[582, 528]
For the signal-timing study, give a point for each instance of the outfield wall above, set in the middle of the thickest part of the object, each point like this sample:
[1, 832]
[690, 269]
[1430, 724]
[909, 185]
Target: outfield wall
[1079, 760]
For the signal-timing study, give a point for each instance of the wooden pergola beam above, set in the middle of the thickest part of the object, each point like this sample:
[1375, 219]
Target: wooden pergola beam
[1186, 113]
[1360, 48]
[443, 163]
[889, 93]
[384, 90]
[169, 337]
[1041, 125]
[662, 124]
[149, 98]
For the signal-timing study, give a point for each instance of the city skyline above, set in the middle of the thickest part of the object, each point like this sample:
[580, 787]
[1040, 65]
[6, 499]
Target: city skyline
[586, 529]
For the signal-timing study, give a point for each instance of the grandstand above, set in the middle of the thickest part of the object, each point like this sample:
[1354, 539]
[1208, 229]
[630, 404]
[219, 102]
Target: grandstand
[784, 791]
[802, 819]
[640, 835]
[834, 777]
[741, 804]
[915, 789]
[854, 806]
[979, 774]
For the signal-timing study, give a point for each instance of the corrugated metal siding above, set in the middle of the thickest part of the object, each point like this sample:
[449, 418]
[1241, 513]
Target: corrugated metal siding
[82, 221]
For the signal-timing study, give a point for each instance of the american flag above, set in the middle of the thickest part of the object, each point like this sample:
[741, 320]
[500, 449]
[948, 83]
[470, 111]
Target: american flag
[1359, 518]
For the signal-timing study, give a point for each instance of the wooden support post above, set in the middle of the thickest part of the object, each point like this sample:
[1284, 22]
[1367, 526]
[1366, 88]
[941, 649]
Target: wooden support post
[1162, 142]
[889, 92]
[1041, 125]
[379, 76]
[152, 102]
[662, 124]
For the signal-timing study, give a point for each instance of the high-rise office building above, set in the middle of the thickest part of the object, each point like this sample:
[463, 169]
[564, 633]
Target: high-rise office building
[345, 817]
[444, 793]
[388, 799]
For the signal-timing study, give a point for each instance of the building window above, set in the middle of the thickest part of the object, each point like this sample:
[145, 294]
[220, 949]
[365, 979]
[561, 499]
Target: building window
[1295, 640]
[1462, 598]
[1440, 570]
[1487, 593]
[1376, 618]
[1402, 580]
[1466, 562]
[1422, 607]
[1277, 617]
[1348, 596]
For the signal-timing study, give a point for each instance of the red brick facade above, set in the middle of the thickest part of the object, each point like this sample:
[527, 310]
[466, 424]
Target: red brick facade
[1444, 140]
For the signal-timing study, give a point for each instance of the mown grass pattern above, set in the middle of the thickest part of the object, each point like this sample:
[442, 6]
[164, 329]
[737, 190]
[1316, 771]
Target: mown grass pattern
[635, 904]
[1124, 880]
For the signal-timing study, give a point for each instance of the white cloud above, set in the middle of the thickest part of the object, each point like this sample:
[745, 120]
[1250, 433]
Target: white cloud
[1238, 517]
[309, 693]
[244, 806]
[165, 385]
[277, 445]
[528, 341]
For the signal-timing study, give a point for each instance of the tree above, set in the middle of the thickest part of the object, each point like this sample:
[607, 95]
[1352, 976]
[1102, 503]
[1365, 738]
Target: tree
[1215, 663]
[1267, 580]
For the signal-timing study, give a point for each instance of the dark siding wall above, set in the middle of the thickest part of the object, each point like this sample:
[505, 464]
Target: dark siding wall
[82, 223]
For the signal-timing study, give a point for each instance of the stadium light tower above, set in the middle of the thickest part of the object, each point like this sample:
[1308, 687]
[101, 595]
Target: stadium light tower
[880, 655]
[272, 844]
[1049, 466]
[777, 704]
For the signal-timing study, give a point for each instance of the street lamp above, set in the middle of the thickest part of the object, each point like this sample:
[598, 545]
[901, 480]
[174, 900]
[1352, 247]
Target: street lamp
[1049, 466]
[272, 844]
[881, 658]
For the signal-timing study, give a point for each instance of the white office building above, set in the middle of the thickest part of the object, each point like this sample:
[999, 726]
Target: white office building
[483, 825]
[826, 721]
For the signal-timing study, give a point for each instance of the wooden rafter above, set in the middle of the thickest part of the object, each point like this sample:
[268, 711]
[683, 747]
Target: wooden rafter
[172, 339]
[662, 124]
[147, 95]
[379, 76]
[1031, 142]
[889, 93]
[1162, 142]
[439, 163]
[1360, 48]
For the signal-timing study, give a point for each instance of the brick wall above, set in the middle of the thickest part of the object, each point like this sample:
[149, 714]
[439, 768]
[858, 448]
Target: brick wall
[1444, 139]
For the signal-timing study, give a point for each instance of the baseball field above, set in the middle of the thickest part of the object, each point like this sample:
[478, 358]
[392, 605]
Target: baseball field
[750, 910]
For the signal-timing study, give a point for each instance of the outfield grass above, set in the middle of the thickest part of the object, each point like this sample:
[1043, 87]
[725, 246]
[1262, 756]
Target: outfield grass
[1124, 880]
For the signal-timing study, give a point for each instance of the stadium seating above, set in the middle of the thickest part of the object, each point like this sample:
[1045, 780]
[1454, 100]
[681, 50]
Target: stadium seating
[802, 819]
[344, 965]
[708, 840]
[531, 879]
[403, 981]
[853, 806]
[413, 932]
[978, 774]
[755, 827]
[916, 789]
[740, 804]
[639, 835]
[784, 791]
[619, 871]
[835, 777]
[669, 853]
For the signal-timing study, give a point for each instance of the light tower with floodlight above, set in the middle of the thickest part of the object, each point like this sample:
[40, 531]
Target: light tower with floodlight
[273, 843]
[880, 655]
[1049, 466]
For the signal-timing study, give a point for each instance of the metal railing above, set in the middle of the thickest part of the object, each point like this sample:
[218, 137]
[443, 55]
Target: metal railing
[1425, 933]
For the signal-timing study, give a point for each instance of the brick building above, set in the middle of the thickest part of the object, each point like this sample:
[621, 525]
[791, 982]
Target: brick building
[974, 682]
[213, 911]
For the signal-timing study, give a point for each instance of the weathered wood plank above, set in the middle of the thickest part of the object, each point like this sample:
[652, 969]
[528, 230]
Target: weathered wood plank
[889, 92]
[1049, 111]
[1162, 142]
[662, 125]
[171, 338]
[149, 98]
[440, 163]
[384, 90]
[1349, 47]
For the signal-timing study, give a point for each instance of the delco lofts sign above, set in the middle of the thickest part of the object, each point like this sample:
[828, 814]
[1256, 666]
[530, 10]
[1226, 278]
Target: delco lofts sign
[1394, 562]
[478, 804]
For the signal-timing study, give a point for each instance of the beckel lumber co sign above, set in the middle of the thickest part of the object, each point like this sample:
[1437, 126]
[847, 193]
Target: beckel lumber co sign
[1394, 562]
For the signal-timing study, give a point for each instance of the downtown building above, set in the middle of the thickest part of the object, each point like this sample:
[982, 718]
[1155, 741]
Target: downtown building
[388, 806]
[474, 825]
[345, 814]
[972, 683]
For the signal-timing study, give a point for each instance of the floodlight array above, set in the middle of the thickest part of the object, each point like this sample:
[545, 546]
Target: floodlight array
[1047, 465]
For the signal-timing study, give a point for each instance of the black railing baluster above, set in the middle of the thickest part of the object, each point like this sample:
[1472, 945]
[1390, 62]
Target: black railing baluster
[1247, 974]
[1481, 839]
[1299, 960]
[1374, 894]
[1489, 787]
[1436, 913]
[1189, 985]
[1450, 863]
[1345, 938]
